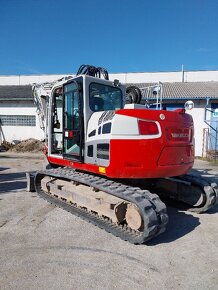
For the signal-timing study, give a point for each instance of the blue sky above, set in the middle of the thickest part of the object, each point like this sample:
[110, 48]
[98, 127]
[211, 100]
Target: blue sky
[50, 36]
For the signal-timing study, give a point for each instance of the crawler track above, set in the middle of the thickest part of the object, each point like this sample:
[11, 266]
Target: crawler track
[209, 189]
[152, 209]
[191, 192]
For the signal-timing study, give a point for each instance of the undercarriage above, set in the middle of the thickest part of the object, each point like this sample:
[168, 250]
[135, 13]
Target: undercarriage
[128, 211]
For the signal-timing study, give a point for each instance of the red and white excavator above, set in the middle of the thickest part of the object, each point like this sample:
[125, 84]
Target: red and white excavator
[110, 156]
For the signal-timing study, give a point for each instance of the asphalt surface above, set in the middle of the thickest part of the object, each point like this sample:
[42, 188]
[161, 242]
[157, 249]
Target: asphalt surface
[44, 247]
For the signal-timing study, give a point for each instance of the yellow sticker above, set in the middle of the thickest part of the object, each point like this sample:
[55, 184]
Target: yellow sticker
[102, 169]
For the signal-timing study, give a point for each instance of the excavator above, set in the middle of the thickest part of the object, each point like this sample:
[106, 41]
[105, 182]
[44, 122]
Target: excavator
[111, 158]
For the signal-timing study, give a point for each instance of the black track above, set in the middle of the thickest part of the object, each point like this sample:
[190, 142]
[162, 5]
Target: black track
[206, 187]
[152, 209]
[209, 189]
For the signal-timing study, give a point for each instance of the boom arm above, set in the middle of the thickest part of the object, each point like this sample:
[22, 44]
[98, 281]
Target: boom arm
[41, 94]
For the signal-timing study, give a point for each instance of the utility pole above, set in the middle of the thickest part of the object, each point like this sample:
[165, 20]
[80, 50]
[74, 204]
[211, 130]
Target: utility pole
[182, 73]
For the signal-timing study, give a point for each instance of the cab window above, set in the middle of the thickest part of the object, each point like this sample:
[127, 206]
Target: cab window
[104, 98]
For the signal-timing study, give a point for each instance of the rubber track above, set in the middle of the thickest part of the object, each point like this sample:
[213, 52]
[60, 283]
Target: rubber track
[152, 209]
[209, 188]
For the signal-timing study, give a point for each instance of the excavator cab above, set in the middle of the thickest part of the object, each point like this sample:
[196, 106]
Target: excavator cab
[72, 104]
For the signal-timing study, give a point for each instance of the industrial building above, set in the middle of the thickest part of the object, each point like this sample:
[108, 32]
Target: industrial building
[19, 119]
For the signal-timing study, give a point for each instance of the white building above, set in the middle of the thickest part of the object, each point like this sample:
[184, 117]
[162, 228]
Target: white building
[19, 119]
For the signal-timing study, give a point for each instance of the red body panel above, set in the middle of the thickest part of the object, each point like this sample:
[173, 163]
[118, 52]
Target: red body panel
[74, 164]
[171, 154]
[141, 159]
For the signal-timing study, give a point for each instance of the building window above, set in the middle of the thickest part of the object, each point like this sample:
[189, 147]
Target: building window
[17, 120]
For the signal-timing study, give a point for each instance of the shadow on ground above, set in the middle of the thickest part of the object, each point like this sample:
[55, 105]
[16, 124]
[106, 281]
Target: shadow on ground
[180, 224]
[4, 177]
[12, 182]
[12, 186]
[33, 156]
[4, 168]
[207, 173]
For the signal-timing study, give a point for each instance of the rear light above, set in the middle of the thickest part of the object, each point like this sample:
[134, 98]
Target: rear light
[147, 128]
[180, 134]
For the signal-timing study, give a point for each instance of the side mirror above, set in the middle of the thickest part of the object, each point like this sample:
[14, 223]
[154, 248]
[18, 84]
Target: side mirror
[189, 105]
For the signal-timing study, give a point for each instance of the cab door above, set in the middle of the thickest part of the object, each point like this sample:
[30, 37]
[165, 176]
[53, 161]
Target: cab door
[72, 122]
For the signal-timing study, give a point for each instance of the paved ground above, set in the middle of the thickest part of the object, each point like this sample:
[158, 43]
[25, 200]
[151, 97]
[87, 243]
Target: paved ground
[43, 247]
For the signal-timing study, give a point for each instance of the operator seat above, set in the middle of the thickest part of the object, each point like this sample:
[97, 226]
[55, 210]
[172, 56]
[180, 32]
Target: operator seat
[97, 104]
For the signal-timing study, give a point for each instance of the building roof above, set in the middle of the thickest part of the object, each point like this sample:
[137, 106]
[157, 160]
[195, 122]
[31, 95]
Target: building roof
[195, 90]
[178, 90]
[16, 93]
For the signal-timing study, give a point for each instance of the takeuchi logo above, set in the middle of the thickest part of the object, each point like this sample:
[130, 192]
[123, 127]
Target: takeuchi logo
[179, 135]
